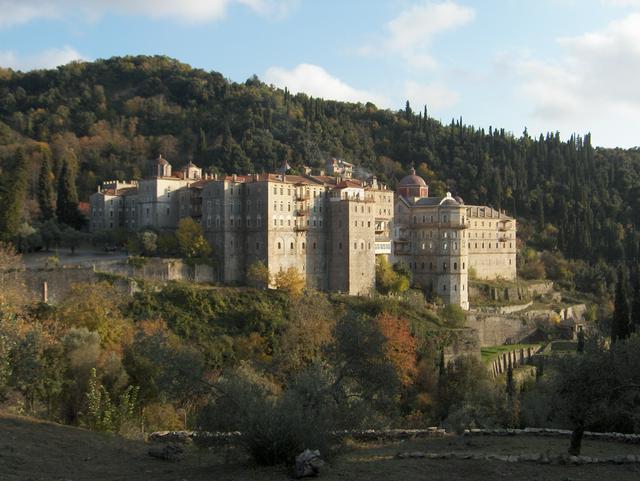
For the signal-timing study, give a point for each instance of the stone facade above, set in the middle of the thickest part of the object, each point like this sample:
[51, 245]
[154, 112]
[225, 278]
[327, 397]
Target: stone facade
[441, 238]
[329, 227]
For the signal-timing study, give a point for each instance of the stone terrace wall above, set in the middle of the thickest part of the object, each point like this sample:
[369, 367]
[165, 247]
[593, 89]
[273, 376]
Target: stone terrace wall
[159, 270]
[496, 329]
[58, 280]
[463, 342]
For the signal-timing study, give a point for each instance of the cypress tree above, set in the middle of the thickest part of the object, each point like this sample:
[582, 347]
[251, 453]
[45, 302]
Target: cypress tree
[580, 347]
[67, 206]
[621, 325]
[46, 191]
[512, 399]
[13, 194]
[635, 301]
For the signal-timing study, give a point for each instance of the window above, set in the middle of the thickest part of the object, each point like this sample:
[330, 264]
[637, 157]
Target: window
[340, 245]
[314, 246]
[455, 266]
[444, 266]
[279, 246]
[355, 245]
[257, 246]
[291, 246]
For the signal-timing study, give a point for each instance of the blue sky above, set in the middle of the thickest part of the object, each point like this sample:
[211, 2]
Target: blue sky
[567, 65]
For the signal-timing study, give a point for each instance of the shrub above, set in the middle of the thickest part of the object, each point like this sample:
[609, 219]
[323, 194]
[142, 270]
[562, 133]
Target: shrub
[258, 275]
[274, 428]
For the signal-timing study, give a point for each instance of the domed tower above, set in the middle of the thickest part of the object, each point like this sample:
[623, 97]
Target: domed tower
[163, 167]
[413, 186]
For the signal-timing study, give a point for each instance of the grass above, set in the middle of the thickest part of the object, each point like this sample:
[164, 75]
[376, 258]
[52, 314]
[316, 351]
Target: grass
[488, 354]
[44, 451]
[560, 347]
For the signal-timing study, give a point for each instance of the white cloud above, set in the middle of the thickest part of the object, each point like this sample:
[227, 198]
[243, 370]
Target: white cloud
[622, 3]
[49, 58]
[411, 33]
[592, 86]
[434, 95]
[316, 81]
[16, 12]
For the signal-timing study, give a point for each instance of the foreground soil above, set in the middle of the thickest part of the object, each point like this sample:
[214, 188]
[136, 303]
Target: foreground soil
[32, 450]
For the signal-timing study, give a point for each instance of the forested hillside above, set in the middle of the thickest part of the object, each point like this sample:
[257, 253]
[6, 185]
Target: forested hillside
[105, 119]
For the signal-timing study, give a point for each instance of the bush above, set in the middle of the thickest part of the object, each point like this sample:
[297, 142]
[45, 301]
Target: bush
[275, 428]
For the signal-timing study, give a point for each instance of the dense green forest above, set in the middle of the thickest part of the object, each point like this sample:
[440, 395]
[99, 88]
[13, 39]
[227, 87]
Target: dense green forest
[92, 121]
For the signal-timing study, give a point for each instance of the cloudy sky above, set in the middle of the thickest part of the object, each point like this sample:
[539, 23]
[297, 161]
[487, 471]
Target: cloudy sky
[566, 65]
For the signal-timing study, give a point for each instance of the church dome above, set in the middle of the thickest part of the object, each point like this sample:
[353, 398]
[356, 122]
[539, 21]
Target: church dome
[412, 180]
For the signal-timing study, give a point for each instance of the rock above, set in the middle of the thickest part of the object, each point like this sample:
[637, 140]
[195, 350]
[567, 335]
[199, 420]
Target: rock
[308, 463]
[528, 457]
[172, 436]
[170, 452]
[417, 454]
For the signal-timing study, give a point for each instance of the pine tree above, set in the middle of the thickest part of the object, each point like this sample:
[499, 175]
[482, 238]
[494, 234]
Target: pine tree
[621, 325]
[46, 191]
[67, 206]
[13, 195]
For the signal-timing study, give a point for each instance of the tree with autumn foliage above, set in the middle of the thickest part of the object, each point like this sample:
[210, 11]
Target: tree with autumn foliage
[290, 280]
[399, 347]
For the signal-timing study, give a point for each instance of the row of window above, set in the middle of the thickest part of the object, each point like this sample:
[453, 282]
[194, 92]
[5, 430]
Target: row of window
[414, 266]
[504, 245]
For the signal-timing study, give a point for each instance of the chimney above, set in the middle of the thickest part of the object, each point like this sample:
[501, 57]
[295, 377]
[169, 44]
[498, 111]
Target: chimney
[234, 177]
[215, 176]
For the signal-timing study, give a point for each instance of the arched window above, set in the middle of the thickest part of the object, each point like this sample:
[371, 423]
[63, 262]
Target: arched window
[455, 266]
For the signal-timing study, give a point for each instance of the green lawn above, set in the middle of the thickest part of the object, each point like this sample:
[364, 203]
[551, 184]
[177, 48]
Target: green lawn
[560, 347]
[490, 353]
